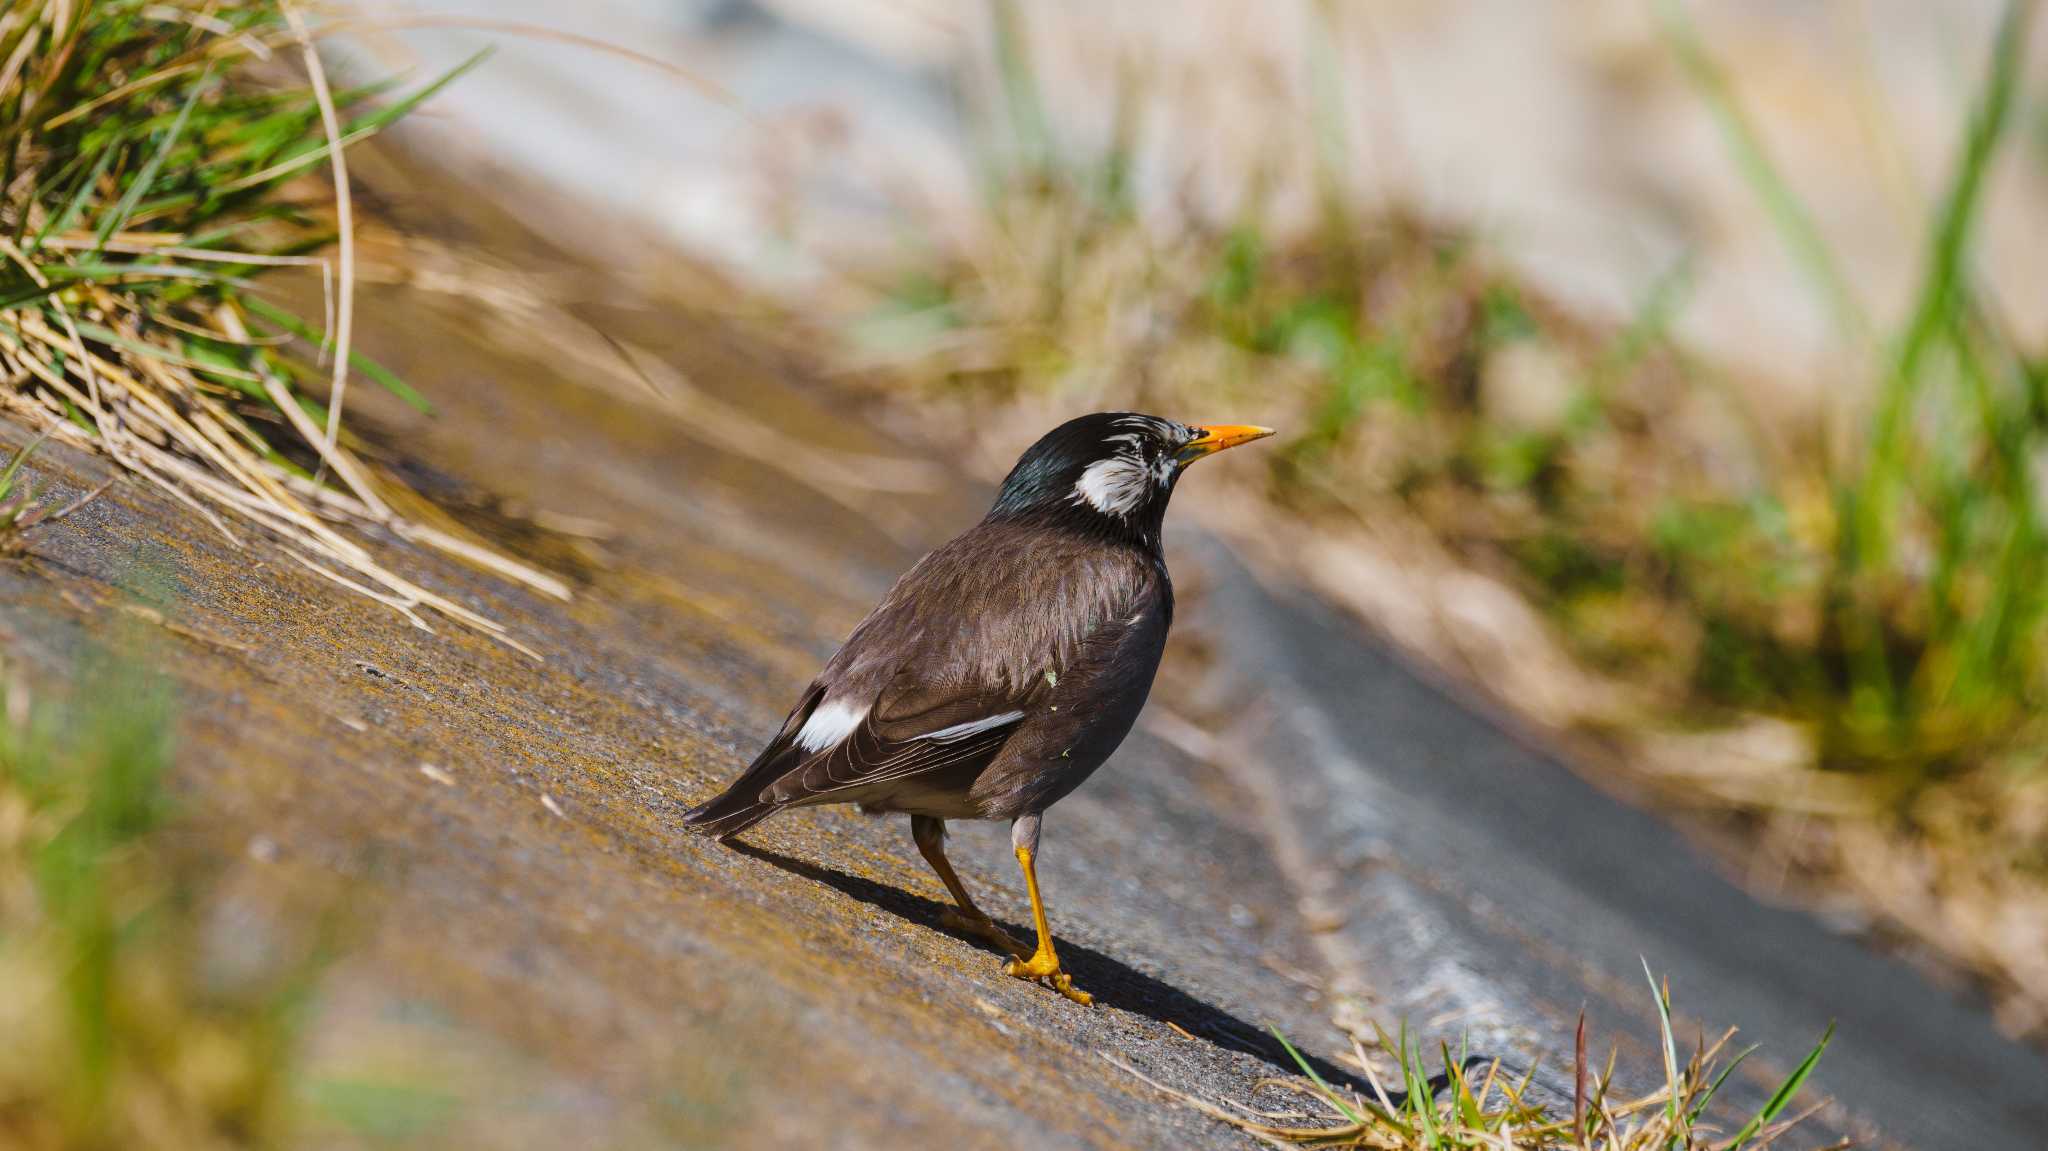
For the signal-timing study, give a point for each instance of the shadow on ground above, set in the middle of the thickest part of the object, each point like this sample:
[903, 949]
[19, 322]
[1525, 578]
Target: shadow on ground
[1113, 983]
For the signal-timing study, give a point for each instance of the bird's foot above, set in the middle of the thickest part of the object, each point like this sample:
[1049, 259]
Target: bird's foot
[953, 919]
[1044, 967]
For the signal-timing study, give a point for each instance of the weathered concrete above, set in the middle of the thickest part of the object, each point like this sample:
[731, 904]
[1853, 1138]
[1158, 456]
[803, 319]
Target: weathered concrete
[650, 985]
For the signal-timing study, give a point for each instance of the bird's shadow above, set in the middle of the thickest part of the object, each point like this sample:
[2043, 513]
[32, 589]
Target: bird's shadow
[1112, 982]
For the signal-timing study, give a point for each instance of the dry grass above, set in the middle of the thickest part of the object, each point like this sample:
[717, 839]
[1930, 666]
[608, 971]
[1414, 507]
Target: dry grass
[1471, 1105]
[146, 173]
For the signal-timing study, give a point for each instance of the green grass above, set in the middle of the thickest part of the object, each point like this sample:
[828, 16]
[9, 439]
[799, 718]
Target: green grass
[1469, 1104]
[122, 1030]
[17, 507]
[21, 511]
[148, 180]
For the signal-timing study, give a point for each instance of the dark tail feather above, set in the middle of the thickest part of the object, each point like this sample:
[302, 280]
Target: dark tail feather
[740, 806]
[736, 810]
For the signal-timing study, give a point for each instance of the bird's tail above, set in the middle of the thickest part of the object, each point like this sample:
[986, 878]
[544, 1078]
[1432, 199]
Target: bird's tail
[733, 811]
[741, 806]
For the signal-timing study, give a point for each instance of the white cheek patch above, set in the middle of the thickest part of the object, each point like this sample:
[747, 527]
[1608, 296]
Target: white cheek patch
[1113, 486]
[829, 724]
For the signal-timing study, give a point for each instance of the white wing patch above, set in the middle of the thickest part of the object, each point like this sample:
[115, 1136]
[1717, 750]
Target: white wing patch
[829, 724]
[1113, 486]
[973, 727]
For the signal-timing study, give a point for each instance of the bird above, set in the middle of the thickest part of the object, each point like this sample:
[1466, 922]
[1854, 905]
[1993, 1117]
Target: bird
[1002, 669]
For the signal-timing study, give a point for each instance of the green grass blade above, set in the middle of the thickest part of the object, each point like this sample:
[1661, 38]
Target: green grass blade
[383, 376]
[146, 178]
[1793, 220]
[63, 276]
[1330, 1094]
[26, 291]
[1984, 639]
[392, 113]
[1714, 1088]
[1421, 1103]
[1782, 1097]
[1869, 505]
[63, 219]
[1670, 1045]
[1939, 285]
[1461, 1092]
[15, 465]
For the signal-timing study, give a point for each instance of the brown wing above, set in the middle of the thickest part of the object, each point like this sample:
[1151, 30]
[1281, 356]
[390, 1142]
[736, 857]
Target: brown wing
[943, 671]
[911, 729]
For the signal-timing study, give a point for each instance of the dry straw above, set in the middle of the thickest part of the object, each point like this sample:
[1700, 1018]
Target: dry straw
[145, 175]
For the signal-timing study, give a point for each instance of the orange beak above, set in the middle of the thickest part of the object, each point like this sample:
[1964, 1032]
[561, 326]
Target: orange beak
[1215, 437]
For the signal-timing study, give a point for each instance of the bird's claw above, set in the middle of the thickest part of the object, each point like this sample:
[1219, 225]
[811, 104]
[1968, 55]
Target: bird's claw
[981, 925]
[1046, 969]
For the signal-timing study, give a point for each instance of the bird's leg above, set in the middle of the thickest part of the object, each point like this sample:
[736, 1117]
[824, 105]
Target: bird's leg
[1043, 963]
[929, 833]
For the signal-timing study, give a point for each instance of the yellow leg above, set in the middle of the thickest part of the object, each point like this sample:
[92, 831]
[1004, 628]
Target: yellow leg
[1045, 962]
[930, 836]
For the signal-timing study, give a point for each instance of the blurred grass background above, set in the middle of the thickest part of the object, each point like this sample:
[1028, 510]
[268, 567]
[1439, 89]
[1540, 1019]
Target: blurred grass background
[130, 1020]
[161, 989]
[1824, 626]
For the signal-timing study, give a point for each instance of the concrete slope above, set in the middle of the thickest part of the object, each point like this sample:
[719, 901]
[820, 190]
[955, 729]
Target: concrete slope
[1480, 882]
[541, 950]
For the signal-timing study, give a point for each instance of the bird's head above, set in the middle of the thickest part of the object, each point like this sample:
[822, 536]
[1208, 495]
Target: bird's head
[1112, 471]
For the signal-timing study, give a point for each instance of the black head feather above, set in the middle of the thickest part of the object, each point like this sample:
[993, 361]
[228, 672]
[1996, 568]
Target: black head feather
[1109, 472]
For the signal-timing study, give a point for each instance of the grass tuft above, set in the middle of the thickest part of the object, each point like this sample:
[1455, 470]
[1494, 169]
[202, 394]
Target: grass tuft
[1470, 1106]
[154, 162]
